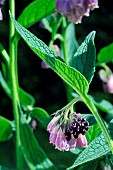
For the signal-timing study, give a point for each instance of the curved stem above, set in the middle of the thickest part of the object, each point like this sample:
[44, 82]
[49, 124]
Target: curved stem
[100, 122]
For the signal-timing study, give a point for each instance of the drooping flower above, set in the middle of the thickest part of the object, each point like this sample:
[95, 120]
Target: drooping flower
[107, 80]
[69, 134]
[2, 2]
[74, 10]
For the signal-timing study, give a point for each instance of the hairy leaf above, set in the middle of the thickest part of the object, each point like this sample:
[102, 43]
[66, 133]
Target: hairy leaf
[84, 58]
[97, 148]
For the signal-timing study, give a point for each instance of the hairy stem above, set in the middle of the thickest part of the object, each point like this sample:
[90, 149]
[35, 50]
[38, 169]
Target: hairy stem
[14, 84]
[99, 120]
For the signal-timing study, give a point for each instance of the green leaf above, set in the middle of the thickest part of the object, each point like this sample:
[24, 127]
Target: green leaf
[90, 118]
[92, 165]
[103, 105]
[5, 129]
[35, 11]
[97, 148]
[70, 42]
[33, 153]
[25, 98]
[106, 54]
[74, 78]
[84, 58]
[41, 115]
[93, 132]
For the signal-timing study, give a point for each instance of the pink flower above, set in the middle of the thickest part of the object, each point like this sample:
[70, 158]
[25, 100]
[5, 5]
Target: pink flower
[107, 80]
[74, 10]
[81, 141]
[2, 2]
[69, 135]
[1, 16]
[53, 123]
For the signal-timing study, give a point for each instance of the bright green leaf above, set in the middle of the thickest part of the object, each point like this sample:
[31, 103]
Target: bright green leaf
[33, 153]
[106, 54]
[41, 115]
[74, 78]
[97, 148]
[84, 58]
[93, 132]
[5, 129]
[35, 11]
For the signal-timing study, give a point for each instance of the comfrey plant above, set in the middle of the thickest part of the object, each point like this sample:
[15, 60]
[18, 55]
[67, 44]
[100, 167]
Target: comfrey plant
[84, 138]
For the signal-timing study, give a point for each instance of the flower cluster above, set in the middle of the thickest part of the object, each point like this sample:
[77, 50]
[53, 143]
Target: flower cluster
[74, 10]
[2, 2]
[107, 79]
[69, 134]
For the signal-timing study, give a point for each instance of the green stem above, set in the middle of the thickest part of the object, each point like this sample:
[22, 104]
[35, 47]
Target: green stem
[68, 89]
[14, 84]
[100, 122]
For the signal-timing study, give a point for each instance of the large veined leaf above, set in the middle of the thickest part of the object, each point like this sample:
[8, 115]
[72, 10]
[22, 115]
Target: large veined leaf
[70, 75]
[97, 148]
[33, 153]
[5, 129]
[35, 11]
[105, 55]
[84, 58]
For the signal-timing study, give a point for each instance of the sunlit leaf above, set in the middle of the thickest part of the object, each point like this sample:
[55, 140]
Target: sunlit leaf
[35, 11]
